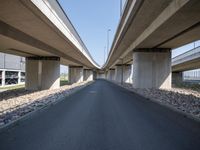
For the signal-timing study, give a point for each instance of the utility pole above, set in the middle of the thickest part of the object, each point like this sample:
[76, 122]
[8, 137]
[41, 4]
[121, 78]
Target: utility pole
[120, 8]
[122, 71]
[104, 54]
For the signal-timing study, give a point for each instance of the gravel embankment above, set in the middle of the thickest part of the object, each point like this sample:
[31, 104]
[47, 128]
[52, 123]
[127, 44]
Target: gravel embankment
[16, 103]
[182, 99]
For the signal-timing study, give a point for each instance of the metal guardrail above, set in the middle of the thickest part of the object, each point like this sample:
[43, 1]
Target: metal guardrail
[180, 58]
[191, 78]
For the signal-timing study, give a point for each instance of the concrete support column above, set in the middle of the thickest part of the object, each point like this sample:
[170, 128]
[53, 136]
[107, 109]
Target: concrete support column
[101, 76]
[42, 73]
[127, 73]
[75, 74]
[177, 77]
[3, 77]
[119, 73]
[111, 74]
[107, 75]
[88, 75]
[152, 68]
[94, 74]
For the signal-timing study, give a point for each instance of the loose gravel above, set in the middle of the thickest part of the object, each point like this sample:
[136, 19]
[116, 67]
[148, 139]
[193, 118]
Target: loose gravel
[185, 100]
[17, 103]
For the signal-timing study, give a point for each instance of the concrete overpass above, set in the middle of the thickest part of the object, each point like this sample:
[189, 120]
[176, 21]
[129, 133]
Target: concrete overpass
[40, 31]
[145, 36]
[187, 61]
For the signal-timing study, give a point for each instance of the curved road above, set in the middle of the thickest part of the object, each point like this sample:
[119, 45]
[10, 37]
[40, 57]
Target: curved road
[103, 116]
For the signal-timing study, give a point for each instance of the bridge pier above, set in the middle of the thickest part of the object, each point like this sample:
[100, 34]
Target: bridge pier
[152, 68]
[177, 77]
[100, 76]
[123, 73]
[75, 74]
[119, 73]
[127, 73]
[106, 74]
[88, 75]
[42, 73]
[111, 74]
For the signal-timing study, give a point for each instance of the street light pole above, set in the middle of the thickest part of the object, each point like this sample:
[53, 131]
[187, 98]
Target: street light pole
[120, 8]
[108, 41]
[104, 54]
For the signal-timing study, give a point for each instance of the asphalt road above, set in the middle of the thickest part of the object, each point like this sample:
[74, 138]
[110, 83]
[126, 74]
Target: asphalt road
[103, 116]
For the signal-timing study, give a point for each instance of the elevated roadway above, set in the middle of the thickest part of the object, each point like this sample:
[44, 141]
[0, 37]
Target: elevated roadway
[187, 61]
[147, 33]
[40, 31]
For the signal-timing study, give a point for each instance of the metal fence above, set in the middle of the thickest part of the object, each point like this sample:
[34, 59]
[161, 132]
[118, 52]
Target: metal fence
[192, 75]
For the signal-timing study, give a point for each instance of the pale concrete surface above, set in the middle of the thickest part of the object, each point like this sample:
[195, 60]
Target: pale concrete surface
[119, 73]
[88, 75]
[75, 74]
[108, 118]
[101, 75]
[154, 24]
[50, 74]
[111, 74]
[127, 74]
[32, 74]
[42, 73]
[152, 69]
[123, 73]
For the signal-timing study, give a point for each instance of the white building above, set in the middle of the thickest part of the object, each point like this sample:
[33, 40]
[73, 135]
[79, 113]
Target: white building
[12, 69]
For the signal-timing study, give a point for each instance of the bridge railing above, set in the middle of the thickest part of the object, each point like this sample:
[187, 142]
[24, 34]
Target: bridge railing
[185, 55]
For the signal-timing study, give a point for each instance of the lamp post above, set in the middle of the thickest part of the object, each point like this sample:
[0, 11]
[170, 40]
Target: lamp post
[120, 8]
[104, 54]
[108, 41]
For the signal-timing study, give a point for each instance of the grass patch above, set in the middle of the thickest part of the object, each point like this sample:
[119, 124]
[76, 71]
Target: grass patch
[64, 82]
[22, 86]
[188, 85]
[14, 87]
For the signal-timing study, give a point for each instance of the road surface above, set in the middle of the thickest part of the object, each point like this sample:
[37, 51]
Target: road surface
[103, 116]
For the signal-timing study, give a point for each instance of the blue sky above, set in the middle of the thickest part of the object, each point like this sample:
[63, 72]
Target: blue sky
[92, 19]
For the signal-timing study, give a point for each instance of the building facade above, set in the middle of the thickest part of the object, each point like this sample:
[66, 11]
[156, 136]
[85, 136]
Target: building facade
[12, 69]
